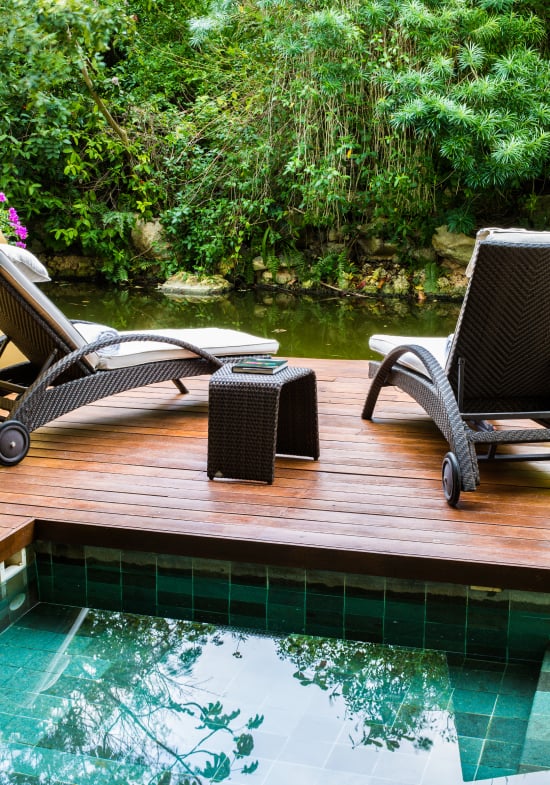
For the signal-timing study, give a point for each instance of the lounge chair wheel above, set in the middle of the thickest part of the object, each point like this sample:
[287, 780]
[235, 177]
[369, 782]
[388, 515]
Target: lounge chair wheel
[14, 442]
[450, 476]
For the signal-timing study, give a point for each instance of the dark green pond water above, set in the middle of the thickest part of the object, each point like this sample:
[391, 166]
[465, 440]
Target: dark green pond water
[305, 326]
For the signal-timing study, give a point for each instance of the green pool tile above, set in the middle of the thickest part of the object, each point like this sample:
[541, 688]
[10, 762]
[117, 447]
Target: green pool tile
[45, 589]
[285, 618]
[249, 618]
[472, 725]
[536, 753]
[502, 754]
[325, 614]
[445, 637]
[44, 566]
[447, 604]
[474, 701]
[211, 588]
[86, 667]
[251, 603]
[29, 779]
[107, 575]
[286, 595]
[519, 681]
[494, 773]
[104, 595]
[404, 613]
[469, 772]
[507, 729]
[180, 612]
[480, 677]
[256, 595]
[43, 706]
[486, 643]
[139, 600]
[26, 730]
[364, 628]
[175, 581]
[541, 705]
[516, 706]
[404, 632]
[470, 750]
[15, 657]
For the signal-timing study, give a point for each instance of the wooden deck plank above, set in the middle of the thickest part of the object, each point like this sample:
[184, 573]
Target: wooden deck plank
[130, 471]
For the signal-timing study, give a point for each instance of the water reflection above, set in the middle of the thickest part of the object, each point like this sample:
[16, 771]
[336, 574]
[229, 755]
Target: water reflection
[117, 698]
[305, 326]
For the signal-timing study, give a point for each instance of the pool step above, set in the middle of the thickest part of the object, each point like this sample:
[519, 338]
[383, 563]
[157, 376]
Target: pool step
[536, 747]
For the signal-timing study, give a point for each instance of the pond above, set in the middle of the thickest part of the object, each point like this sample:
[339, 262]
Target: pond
[305, 326]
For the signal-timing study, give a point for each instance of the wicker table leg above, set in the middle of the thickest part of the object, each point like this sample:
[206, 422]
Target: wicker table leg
[251, 418]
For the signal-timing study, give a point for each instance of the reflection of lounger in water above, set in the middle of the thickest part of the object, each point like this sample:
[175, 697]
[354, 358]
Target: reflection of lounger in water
[496, 367]
[70, 364]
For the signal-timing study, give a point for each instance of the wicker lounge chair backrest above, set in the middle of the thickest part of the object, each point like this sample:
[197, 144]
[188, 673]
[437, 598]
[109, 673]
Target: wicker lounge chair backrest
[502, 338]
[32, 322]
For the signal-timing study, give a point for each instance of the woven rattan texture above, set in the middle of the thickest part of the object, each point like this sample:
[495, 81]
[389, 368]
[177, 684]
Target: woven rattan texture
[252, 417]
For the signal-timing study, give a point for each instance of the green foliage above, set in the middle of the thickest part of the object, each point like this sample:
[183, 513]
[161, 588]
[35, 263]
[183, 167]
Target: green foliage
[251, 127]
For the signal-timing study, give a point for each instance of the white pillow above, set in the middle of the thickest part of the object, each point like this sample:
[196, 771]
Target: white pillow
[91, 332]
[26, 262]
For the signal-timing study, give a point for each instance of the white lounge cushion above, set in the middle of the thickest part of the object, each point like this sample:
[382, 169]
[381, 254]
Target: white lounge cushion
[216, 340]
[26, 262]
[439, 347]
[92, 331]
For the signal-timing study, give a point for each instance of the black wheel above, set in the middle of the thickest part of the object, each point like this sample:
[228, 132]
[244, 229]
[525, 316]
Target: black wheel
[452, 481]
[14, 442]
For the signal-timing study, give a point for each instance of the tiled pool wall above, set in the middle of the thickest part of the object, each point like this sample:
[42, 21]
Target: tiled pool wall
[467, 621]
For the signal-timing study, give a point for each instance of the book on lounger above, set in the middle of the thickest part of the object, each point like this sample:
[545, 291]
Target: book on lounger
[260, 366]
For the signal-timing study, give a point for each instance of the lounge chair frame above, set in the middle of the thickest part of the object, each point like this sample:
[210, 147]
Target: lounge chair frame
[58, 378]
[498, 366]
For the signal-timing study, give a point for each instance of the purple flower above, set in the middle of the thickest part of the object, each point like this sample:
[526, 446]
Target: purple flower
[10, 223]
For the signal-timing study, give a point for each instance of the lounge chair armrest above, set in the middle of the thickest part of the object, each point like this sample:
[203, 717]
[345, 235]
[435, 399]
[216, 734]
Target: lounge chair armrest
[61, 366]
[432, 366]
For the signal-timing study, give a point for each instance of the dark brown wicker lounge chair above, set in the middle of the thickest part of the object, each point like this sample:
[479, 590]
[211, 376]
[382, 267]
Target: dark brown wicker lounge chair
[69, 364]
[498, 363]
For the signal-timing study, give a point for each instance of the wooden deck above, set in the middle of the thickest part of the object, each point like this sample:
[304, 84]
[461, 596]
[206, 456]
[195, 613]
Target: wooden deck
[130, 472]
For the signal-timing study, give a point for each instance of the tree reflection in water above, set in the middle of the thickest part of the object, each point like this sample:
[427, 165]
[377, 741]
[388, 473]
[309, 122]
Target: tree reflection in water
[391, 694]
[117, 698]
[130, 699]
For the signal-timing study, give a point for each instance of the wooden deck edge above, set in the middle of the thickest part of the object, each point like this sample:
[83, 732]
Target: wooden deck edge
[513, 577]
[20, 537]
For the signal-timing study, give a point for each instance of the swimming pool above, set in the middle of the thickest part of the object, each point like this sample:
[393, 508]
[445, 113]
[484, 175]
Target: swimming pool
[286, 650]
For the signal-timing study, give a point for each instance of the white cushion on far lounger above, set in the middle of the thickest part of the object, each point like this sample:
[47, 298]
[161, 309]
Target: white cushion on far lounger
[216, 340]
[439, 347]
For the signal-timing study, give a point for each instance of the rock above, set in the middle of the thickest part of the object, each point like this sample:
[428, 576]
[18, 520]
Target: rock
[258, 264]
[149, 241]
[71, 267]
[453, 247]
[186, 284]
[284, 277]
[378, 249]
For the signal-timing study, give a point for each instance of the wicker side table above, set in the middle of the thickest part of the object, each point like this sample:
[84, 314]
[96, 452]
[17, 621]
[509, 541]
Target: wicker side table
[254, 416]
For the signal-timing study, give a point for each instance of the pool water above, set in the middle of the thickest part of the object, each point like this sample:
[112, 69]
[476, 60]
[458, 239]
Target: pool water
[103, 697]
